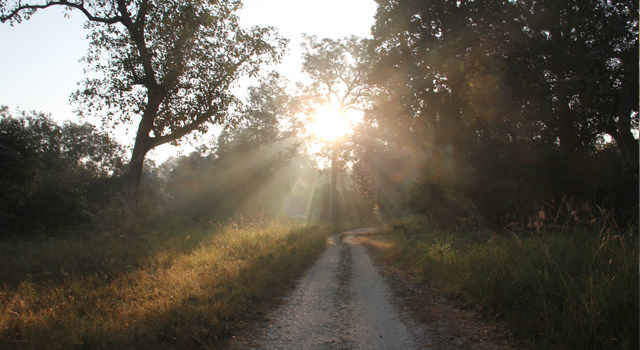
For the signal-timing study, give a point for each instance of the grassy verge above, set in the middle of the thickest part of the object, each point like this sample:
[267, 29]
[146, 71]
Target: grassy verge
[158, 290]
[569, 290]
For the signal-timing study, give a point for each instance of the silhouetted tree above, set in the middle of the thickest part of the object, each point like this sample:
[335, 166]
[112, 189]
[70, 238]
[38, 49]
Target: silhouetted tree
[260, 120]
[507, 101]
[169, 64]
[467, 63]
[338, 73]
[53, 175]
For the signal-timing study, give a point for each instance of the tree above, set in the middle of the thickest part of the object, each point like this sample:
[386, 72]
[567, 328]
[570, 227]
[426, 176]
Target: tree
[507, 101]
[252, 168]
[53, 175]
[263, 118]
[557, 71]
[338, 72]
[170, 63]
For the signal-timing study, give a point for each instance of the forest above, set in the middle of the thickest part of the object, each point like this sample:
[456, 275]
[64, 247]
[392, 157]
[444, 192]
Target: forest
[495, 141]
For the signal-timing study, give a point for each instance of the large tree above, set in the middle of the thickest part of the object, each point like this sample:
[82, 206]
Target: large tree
[561, 71]
[508, 102]
[168, 64]
[337, 70]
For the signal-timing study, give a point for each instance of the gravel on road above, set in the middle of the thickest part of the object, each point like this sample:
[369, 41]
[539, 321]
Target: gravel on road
[342, 302]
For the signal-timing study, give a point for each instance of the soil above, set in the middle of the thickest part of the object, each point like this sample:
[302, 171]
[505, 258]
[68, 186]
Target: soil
[344, 302]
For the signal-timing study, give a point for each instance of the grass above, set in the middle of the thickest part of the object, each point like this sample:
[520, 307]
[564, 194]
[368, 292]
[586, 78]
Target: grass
[160, 290]
[557, 290]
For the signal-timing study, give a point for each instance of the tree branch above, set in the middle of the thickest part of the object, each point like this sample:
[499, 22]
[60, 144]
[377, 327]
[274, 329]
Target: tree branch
[80, 6]
[178, 133]
[142, 12]
[136, 31]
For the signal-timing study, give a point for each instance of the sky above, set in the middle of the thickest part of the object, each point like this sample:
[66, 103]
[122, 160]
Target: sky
[40, 65]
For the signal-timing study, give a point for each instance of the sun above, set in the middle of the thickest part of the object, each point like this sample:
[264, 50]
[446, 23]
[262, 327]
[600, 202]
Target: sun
[330, 123]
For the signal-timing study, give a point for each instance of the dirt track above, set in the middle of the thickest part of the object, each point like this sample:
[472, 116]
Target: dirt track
[342, 302]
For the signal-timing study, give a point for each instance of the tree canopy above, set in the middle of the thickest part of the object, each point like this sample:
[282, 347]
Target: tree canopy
[52, 174]
[559, 71]
[168, 65]
[471, 108]
[495, 95]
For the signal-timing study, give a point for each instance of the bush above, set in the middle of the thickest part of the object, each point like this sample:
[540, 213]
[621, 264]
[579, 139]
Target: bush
[51, 173]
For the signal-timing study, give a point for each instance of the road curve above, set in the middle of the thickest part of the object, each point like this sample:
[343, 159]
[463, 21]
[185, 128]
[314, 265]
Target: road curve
[342, 302]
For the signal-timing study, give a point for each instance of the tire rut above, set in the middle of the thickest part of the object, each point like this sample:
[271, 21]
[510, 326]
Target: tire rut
[342, 302]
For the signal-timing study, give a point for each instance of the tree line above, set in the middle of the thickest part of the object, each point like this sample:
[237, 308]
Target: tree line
[475, 113]
[507, 106]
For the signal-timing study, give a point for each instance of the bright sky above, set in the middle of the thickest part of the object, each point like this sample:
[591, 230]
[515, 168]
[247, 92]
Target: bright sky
[40, 64]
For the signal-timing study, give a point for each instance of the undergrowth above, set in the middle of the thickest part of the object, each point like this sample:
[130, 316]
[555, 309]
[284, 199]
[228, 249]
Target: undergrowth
[558, 289]
[160, 289]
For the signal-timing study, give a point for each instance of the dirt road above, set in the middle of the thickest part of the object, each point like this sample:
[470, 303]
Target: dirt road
[341, 303]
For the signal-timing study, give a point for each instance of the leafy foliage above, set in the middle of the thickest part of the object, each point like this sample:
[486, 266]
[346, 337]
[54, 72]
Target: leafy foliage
[504, 105]
[169, 63]
[53, 174]
[251, 169]
[337, 69]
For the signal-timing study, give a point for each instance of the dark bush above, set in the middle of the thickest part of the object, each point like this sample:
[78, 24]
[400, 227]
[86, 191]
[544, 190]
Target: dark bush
[53, 176]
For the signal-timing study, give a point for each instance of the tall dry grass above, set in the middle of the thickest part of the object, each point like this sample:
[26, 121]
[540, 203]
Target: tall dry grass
[163, 289]
[571, 288]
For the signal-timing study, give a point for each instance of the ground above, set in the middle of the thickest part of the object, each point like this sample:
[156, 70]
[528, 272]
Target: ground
[452, 324]
[344, 302]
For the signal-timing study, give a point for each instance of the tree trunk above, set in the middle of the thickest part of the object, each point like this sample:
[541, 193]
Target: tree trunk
[566, 127]
[131, 208]
[627, 144]
[134, 175]
[332, 190]
[626, 103]
[142, 145]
